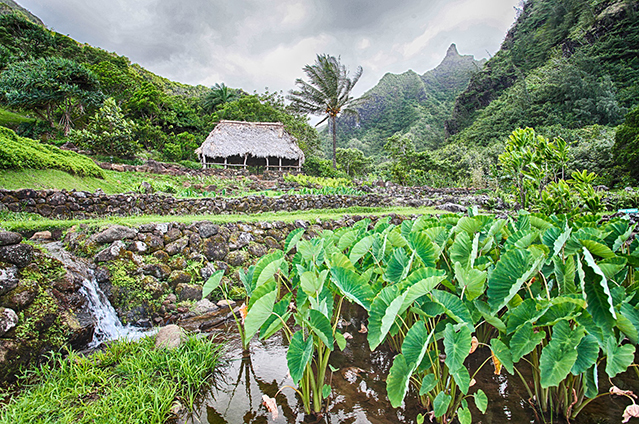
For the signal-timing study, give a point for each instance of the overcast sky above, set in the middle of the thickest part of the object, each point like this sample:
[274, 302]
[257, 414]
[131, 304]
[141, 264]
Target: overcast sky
[254, 44]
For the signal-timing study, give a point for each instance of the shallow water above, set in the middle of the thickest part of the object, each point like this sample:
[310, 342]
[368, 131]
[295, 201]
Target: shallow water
[359, 389]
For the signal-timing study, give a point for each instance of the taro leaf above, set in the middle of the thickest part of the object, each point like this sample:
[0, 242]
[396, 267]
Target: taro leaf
[341, 340]
[510, 274]
[212, 283]
[300, 353]
[587, 354]
[397, 266]
[627, 328]
[247, 279]
[428, 383]
[600, 303]
[383, 311]
[310, 283]
[632, 313]
[618, 357]
[454, 307]
[326, 391]
[501, 351]
[321, 326]
[524, 340]
[398, 380]
[461, 249]
[472, 280]
[292, 239]
[525, 312]
[559, 356]
[395, 238]
[456, 346]
[416, 343]
[260, 308]
[598, 249]
[361, 248]
[338, 259]
[481, 401]
[267, 267]
[306, 249]
[613, 266]
[464, 416]
[488, 316]
[621, 239]
[347, 240]
[470, 225]
[277, 319]
[565, 274]
[440, 404]
[421, 244]
[352, 286]
[591, 382]
[462, 378]
[555, 239]
[419, 289]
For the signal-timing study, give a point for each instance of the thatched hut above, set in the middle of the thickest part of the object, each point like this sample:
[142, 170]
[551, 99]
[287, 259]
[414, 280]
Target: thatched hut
[258, 144]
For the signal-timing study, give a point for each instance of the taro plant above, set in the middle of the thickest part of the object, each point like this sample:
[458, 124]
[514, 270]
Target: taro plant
[568, 299]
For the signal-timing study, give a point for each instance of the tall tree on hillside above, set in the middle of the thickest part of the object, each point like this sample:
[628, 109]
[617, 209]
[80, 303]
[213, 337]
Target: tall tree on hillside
[327, 92]
[219, 95]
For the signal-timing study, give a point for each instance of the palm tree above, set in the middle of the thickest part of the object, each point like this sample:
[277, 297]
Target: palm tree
[326, 93]
[218, 96]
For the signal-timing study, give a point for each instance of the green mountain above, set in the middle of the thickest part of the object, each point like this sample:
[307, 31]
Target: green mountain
[564, 65]
[410, 103]
[9, 6]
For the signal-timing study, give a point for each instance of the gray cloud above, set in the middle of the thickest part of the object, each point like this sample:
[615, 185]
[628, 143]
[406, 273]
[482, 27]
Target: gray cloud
[255, 44]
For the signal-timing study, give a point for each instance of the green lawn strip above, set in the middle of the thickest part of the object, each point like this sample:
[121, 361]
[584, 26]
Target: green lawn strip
[11, 119]
[129, 382]
[10, 221]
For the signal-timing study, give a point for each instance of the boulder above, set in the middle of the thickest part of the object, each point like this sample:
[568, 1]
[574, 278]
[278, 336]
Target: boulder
[8, 320]
[172, 235]
[203, 306]
[215, 248]
[42, 235]
[8, 279]
[257, 250]
[239, 240]
[160, 271]
[237, 258]
[153, 286]
[207, 270]
[188, 292]
[177, 246]
[115, 232]
[112, 252]
[169, 337]
[452, 207]
[20, 255]
[206, 229]
[179, 277]
[139, 247]
[8, 238]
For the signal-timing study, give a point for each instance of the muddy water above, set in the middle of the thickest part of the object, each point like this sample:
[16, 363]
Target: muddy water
[359, 389]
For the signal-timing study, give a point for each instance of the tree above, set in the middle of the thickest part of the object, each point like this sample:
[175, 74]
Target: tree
[353, 161]
[108, 132]
[219, 95]
[626, 147]
[326, 93]
[53, 88]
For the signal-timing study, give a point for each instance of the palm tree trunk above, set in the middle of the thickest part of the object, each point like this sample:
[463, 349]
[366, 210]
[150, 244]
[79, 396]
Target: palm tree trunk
[334, 122]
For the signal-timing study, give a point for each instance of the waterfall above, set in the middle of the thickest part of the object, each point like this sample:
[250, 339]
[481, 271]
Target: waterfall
[107, 324]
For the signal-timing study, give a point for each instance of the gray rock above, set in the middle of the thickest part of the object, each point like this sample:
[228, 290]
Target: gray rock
[452, 207]
[203, 306]
[215, 248]
[139, 247]
[8, 279]
[257, 250]
[188, 292]
[17, 254]
[115, 232]
[169, 337]
[153, 286]
[177, 246]
[8, 320]
[237, 258]
[160, 271]
[238, 241]
[172, 235]
[9, 237]
[207, 270]
[206, 229]
[146, 188]
[179, 277]
[110, 253]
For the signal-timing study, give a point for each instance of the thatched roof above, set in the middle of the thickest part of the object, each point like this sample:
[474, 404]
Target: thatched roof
[258, 139]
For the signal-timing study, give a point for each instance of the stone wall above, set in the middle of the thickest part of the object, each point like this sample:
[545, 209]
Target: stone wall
[81, 204]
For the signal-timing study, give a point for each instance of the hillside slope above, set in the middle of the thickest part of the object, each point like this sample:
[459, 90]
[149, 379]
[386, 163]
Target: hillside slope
[9, 6]
[410, 103]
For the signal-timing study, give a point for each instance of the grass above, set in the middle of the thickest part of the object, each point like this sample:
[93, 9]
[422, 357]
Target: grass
[11, 119]
[11, 221]
[129, 382]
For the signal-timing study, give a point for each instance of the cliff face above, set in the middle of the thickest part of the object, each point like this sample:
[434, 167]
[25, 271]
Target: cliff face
[410, 103]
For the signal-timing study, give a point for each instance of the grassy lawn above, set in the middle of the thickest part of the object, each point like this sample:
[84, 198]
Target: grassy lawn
[129, 382]
[10, 221]
[11, 119]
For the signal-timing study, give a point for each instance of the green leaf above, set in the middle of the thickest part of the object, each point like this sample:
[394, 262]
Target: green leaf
[501, 351]
[311, 284]
[341, 341]
[464, 416]
[361, 248]
[488, 316]
[462, 378]
[326, 391]
[384, 309]
[525, 312]
[347, 240]
[321, 326]
[511, 272]
[453, 306]
[524, 340]
[260, 308]
[212, 283]
[598, 249]
[300, 353]
[456, 346]
[559, 356]
[292, 239]
[398, 380]
[352, 286]
[397, 266]
[428, 383]
[587, 354]
[632, 314]
[471, 280]
[266, 267]
[481, 401]
[565, 274]
[591, 382]
[627, 328]
[460, 251]
[618, 357]
[277, 319]
[440, 404]
[425, 249]
[416, 343]
[600, 302]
